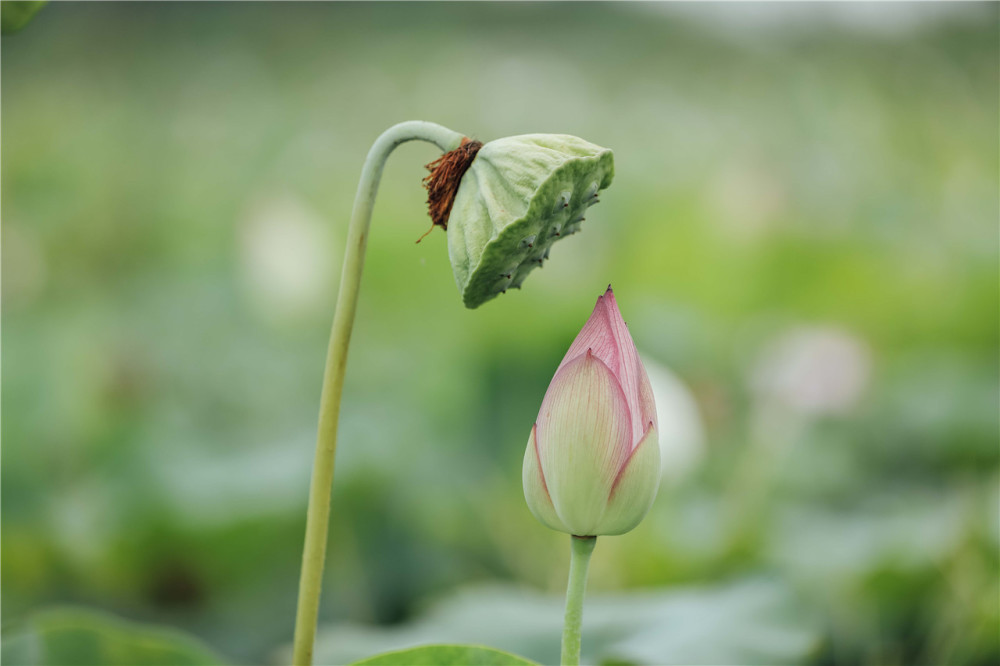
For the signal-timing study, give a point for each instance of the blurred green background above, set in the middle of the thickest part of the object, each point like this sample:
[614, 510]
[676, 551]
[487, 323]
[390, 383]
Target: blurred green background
[802, 234]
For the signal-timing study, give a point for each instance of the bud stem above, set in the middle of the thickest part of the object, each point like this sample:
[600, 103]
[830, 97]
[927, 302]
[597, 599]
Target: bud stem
[318, 515]
[579, 561]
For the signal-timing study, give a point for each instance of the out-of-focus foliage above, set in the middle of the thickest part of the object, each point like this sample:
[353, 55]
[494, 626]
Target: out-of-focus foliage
[445, 655]
[802, 228]
[723, 624]
[66, 637]
[15, 14]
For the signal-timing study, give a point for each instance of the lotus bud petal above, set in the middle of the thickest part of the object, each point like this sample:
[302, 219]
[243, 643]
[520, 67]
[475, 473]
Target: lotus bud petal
[518, 196]
[592, 465]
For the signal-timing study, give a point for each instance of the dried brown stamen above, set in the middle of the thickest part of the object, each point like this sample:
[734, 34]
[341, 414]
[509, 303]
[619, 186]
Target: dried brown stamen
[446, 174]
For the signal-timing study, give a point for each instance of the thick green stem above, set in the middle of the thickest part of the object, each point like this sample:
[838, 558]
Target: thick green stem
[318, 516]
[579, 560]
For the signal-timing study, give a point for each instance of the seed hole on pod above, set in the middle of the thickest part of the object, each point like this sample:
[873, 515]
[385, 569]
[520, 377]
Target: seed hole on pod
[562, 202]
[502, 285]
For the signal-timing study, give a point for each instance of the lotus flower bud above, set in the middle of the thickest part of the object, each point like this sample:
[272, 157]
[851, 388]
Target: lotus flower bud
[592, 466]
[516, 197]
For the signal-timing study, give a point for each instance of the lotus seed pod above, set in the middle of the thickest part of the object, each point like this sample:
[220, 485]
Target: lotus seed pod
[520, 195]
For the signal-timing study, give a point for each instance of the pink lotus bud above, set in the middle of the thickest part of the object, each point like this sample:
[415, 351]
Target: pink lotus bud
[592, 466]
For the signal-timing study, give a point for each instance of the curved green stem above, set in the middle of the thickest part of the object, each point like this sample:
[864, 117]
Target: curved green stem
[579, 560]
[318, 516]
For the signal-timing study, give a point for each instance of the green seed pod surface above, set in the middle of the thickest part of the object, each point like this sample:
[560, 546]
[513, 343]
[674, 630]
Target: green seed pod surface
[519, 196]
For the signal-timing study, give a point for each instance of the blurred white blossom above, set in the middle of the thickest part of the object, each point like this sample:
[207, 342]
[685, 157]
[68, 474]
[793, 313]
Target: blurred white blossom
[681, 429]
[813, 370]
[288, 256]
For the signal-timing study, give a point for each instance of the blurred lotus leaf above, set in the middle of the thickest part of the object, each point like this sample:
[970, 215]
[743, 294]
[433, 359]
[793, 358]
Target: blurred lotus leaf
[15, 14]
[520, 195]
[68, 636]
[446, 655]
[751, 621]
